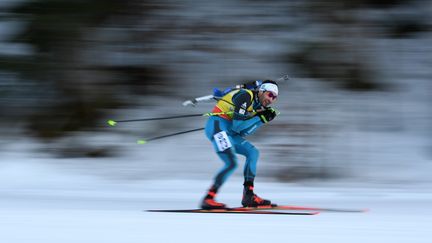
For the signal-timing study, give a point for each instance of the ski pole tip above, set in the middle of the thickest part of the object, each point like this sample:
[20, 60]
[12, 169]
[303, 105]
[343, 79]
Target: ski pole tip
[112, 123]
[141, 141]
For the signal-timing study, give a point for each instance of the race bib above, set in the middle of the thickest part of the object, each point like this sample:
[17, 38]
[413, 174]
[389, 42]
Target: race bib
[222, 141]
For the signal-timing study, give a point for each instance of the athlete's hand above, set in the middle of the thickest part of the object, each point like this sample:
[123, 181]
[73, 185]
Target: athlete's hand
[267, 115]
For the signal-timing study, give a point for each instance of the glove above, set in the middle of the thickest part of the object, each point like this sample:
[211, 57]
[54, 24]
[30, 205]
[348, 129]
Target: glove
[267, 115]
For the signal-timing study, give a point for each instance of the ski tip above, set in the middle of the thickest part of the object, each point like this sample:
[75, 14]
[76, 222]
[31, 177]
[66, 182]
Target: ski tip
[112, 123]
[141, 141]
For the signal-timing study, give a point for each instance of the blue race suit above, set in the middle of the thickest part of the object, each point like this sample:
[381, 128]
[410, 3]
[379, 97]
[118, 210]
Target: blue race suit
[227, 131]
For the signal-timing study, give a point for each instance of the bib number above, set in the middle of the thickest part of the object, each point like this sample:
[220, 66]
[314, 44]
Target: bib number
[222, 141]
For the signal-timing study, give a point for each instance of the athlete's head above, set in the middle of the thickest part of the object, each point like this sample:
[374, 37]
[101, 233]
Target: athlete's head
[268, 92]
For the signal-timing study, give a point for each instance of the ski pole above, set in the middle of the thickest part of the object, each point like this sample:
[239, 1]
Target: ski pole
[114, 123]
[144, 141]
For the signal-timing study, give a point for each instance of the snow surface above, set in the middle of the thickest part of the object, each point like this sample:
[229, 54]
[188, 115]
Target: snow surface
[53, 206]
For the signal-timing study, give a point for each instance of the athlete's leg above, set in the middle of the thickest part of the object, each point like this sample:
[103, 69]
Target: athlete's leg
[249, 199]
[245, 148]
[223, 144]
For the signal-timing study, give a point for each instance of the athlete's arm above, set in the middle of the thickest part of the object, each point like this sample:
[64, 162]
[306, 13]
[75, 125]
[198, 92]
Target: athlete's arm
[242, 121]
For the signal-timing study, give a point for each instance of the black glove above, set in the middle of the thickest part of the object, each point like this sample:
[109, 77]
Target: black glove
[267, 115]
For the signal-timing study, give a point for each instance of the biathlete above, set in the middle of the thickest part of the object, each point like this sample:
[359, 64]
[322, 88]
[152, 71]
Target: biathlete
[238, 113]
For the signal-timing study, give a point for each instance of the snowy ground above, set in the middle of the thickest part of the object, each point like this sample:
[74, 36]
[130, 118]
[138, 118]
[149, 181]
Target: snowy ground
[55, 207]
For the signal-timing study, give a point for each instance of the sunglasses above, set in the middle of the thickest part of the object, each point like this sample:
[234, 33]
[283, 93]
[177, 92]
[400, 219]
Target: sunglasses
[272, 95]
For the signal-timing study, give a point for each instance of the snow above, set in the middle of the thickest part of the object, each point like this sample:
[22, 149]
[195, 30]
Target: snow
[53, 206]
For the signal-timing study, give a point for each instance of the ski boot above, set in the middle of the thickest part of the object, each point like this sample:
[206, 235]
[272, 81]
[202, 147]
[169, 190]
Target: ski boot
[210, 203]
[250, 199]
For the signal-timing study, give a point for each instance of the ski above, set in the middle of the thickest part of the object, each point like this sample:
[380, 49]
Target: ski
[271, 209]
[232, 211]
[301, 208]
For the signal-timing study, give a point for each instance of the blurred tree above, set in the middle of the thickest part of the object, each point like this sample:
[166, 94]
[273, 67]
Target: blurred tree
[340, 52]
[68, 84]
[375, 3]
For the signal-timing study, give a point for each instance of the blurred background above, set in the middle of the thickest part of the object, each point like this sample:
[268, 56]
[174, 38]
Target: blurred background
[356, 109]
